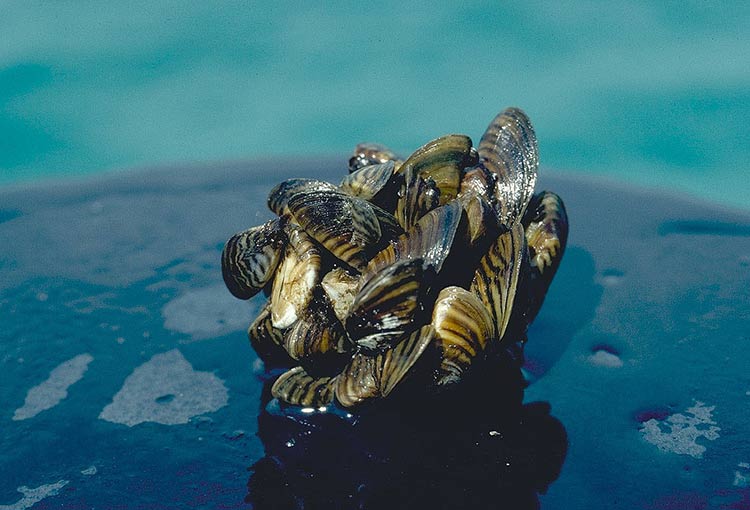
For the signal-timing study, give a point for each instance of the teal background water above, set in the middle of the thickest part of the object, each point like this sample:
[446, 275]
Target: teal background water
[657, 93]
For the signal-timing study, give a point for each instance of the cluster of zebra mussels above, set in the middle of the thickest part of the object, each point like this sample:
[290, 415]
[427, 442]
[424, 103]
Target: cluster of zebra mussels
[408, 273]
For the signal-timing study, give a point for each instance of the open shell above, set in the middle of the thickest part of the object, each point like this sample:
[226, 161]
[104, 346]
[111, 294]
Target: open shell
[296, 278]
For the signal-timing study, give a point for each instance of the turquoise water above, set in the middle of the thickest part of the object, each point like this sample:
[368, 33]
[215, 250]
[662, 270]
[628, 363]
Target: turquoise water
[653, 93]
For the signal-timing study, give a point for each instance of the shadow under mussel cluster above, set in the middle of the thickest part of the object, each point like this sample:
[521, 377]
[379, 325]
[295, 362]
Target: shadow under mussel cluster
[479, 445]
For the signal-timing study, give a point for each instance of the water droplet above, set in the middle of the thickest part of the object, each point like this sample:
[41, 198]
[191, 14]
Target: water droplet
[605, 356]
[605, 359]
[612, 277]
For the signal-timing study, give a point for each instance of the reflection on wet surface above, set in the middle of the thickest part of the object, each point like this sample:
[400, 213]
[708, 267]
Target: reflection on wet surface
[575, 294]
[462, 453]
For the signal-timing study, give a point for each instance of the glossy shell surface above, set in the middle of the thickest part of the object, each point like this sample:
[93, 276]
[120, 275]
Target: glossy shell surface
[407, 276]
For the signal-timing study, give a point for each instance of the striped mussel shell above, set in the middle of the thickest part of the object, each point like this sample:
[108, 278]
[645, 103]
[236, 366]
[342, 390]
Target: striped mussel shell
[408, 276]
[496, 279]
[350, 228]
[378, 184]
[250, 258]
[508, 150]
[476, 197]
[278, 198]
[366, 154]
[546, 227]
[443, 160]
[546, 224]
[463, 327]
[296, 278]
[429, 240]
[317, 337]
[480, 181]
[371, 377]
[268, 341]
[368, 181]
[366, 378]
[480, 215]
[418, 196]
[385, 308]
[297, 387]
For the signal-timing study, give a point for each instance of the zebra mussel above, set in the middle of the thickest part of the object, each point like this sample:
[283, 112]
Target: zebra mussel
[407, 274]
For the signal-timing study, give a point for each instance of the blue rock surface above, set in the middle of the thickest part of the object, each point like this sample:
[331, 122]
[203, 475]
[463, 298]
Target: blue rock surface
[128, 381]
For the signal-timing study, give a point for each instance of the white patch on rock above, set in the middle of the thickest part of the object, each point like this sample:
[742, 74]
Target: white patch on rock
[55, 388]
[89, 471]
[678, 433]
[742, 475]
[207, 313]
[603, 358]
[167, 390]
[34, 496]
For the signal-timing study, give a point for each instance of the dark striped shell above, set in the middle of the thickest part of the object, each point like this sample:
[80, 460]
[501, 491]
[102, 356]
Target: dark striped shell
[384, 309]
[268, 341]
[496, 278]
[371, 377]
[366, 154]
[350, 228]
[298, 388]
[316, 334]
[368, 181]
[463, 327]
[408, 276]
[250, 258]
[429, 240]
[443, 161]
[280, 195]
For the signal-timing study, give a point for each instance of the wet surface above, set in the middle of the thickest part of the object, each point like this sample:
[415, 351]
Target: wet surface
[128, 381]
